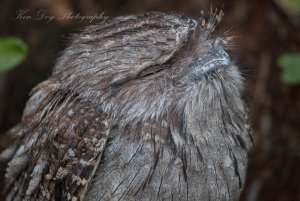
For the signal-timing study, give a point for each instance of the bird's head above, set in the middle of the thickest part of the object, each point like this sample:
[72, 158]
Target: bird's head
[147, 65]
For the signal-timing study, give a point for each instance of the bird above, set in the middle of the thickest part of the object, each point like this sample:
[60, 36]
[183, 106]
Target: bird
[146, 106]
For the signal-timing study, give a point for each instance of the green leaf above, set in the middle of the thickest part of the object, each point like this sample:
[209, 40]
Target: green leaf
[290, 7]
[295, 4]
[12, 52]
[290, 64]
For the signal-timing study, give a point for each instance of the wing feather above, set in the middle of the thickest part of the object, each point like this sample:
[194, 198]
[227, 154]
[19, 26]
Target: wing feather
[60, 150]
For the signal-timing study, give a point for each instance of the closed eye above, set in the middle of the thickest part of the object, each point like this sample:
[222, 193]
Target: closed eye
[152, 70]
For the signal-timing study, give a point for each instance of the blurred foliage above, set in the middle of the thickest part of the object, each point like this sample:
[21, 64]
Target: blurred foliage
[12, 52]
[290, 64]
[290, 7]
[294, 3]
[290, 4]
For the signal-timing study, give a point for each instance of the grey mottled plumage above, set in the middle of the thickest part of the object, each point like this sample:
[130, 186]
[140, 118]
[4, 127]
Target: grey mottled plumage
[142, 107]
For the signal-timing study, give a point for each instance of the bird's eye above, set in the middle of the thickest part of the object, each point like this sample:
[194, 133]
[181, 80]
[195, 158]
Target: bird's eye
[151, 70]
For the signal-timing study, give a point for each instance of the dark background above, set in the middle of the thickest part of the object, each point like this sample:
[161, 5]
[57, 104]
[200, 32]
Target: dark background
[263, 30]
